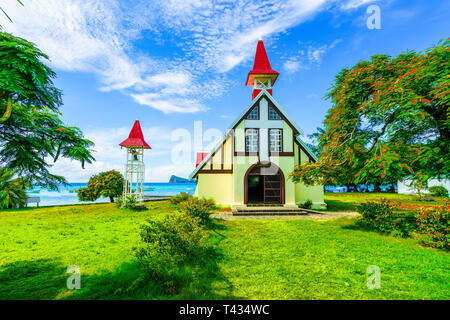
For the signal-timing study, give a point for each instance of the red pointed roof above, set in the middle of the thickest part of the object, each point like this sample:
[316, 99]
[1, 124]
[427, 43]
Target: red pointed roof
[261, 65]
[200, 157]
[135, 138]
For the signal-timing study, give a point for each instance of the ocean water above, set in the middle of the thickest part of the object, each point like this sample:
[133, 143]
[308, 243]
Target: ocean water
[67, 194]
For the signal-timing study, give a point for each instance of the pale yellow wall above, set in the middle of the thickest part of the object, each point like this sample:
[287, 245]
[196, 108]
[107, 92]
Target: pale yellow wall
[239, 137]
[313, 193]
[228, 154]
[287, 137]
[304, 193]
[216, 186]
[217, 160]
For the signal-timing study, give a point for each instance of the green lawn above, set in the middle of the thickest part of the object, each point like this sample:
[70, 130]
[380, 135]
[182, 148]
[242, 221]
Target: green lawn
[252, 259]
[349, 201]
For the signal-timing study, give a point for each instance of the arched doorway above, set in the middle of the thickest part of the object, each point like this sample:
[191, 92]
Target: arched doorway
[264, 184]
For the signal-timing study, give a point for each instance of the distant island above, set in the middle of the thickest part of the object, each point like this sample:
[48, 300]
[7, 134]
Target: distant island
[175, 179]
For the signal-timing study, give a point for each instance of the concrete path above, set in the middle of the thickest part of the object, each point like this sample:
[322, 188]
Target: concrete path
[322, 216]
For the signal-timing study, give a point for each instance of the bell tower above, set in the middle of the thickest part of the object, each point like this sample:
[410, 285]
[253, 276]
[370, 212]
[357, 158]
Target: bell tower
[262, 75]
[134, 167]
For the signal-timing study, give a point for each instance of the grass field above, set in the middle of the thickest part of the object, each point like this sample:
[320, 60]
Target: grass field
[252, 259]
[349, 201]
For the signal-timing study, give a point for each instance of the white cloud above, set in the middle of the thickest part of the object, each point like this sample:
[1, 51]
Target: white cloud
[312, 55]
[99, 36]
[352, 4]
[109, 155]
[292, 65]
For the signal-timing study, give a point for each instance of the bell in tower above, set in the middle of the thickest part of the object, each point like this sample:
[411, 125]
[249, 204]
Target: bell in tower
[134, 167]
[262, 75]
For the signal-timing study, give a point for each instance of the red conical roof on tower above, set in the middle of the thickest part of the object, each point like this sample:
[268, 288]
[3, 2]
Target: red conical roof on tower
[261, 66]
[135, 138]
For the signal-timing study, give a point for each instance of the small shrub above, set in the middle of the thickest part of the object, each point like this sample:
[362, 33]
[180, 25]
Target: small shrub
[307, 204]
[384, 216]
[433, 226]
[131, 202]
[183, 196]
[438, 191]
[198, 207]
[119, 202]
[167, 242]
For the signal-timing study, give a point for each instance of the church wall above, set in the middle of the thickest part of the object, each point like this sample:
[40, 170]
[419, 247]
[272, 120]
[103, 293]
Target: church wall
[240, 167]
[228, 154]
[217, 160]
[216, 186]
[313, 193]
[288, 139]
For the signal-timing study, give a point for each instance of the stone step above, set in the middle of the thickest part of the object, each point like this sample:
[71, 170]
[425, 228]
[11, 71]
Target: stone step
[269, 213]
[270, 210]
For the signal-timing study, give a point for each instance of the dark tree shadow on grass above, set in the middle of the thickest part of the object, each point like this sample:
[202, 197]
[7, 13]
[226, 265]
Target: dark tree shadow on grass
[199, 277]
[46, 279]
[336, 205]
[39, 279]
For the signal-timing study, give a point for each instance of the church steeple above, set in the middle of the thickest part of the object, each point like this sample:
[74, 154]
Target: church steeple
[262, 75]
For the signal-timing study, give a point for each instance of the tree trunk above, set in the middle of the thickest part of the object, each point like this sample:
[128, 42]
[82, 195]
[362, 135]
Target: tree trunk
[111, 199]
[376, 187]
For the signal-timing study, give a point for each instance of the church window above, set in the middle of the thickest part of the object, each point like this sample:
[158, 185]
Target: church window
[273, 115]
[254, 114]
[275, 140]
[251, 140]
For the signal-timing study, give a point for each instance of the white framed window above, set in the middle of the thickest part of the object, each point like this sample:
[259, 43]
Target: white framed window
[273, 115]
[276, 140]
[254, 114]
[251, 140]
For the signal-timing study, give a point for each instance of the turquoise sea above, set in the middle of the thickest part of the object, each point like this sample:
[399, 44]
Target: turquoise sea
[67, 194]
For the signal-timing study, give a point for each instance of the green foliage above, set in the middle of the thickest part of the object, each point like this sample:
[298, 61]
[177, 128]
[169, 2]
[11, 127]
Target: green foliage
[434, 227]
[167, 243]
[12, 191]
[198, 208]
[105, 184]
[388, 121]
[30, 126]
[307, 204]
[384, 216]
[183, 196]
[130, 202]
[438, 191]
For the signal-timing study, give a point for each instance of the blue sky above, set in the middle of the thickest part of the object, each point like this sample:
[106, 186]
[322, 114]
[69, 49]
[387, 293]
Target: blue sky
[171, 63]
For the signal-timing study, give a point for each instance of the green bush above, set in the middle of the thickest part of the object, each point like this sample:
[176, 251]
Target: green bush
[307, 204]
[384, 216]
[438, 191]
[167, 242]
[198, 208]
[433, 227]
[129, 202]
[183, 196]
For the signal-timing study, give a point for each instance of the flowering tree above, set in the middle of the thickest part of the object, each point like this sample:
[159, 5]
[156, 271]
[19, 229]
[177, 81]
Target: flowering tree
[105, 184]
[389, 120]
